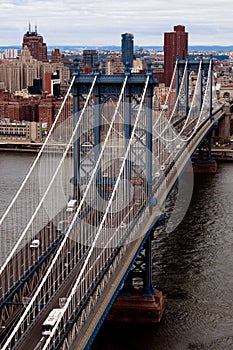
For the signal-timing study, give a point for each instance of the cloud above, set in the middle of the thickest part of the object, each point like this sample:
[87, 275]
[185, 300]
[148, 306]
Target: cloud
[101, 22]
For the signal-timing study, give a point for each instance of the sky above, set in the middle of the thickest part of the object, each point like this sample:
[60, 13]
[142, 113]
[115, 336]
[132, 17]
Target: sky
[101, 22]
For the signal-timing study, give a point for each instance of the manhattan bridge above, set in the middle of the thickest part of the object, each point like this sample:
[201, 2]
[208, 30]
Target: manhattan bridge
[117, 159]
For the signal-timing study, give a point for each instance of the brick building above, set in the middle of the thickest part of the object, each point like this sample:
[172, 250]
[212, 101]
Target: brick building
[175, 43]
[35, 43]
[42, 109]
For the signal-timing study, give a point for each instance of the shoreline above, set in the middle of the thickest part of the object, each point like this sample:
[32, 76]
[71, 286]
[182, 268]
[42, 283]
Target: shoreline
[19, 150]
[21, 146]
[218, 154]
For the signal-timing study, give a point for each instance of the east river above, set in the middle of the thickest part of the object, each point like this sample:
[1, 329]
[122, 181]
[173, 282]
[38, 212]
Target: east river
[192, 265]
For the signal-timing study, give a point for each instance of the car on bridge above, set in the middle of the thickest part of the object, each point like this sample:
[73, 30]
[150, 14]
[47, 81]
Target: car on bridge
[72, 205]
[35, 243]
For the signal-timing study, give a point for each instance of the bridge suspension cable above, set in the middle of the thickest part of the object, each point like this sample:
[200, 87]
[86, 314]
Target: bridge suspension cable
[205, 106]
[104, 218]
[62, 245]
[193, 110]
[75, 298]
[109, 123]
[167, 127]
[166, 124]
[93, 260]
[40, 152]
[164, 106]
[5, 255]
[41, 202]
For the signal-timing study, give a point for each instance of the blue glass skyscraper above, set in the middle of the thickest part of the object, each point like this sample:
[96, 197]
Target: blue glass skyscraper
[127, 48]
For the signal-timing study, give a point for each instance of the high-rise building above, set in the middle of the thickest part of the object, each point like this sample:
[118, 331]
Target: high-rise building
[35, 44]
[127, 48]
[90, 57]
[175, 43]
[19, 74]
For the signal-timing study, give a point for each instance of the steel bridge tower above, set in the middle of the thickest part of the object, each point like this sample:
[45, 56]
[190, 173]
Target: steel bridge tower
[193, 66]
[108, 87]
[204, 163]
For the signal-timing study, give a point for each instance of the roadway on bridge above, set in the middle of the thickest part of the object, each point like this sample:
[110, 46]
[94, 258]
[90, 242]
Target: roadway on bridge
[33, 335]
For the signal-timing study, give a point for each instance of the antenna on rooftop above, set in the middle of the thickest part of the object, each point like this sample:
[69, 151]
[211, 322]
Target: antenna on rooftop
[29, 27]
[36, 29]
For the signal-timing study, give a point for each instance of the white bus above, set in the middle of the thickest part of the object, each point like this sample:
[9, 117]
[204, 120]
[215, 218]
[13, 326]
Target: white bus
[50, 321]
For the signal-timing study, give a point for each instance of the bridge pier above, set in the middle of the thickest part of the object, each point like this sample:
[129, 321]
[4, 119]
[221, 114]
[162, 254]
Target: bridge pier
[204, 163]
[137, 308]
[139, 302]
[205, 167]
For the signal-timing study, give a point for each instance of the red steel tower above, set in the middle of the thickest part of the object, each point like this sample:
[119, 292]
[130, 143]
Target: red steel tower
[175, 43]
[35, 44]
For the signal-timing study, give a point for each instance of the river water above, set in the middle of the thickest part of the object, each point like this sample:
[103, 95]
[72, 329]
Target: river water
[193, 266]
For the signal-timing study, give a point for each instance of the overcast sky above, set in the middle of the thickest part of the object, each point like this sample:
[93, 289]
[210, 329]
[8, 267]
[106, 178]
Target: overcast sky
[101, 22]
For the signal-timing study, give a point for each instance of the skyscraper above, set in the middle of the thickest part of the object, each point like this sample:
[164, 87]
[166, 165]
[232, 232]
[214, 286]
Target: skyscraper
[127, 48]
[35, 44]
[175, 43]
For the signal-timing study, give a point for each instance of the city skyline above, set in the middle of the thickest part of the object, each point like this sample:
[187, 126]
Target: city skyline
[103, 22]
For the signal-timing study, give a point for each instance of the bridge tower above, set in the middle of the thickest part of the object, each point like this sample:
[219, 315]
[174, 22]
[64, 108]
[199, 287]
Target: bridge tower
[192, 67]
[203, 161]
[108, 88]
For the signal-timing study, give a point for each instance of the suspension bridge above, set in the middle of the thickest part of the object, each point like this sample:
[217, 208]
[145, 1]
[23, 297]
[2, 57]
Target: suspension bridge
[116, 160]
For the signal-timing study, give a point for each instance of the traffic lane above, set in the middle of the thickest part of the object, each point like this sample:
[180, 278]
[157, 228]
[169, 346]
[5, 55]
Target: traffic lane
[34, 335]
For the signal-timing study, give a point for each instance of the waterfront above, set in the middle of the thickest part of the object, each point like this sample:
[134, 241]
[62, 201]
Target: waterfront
[193, 266]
